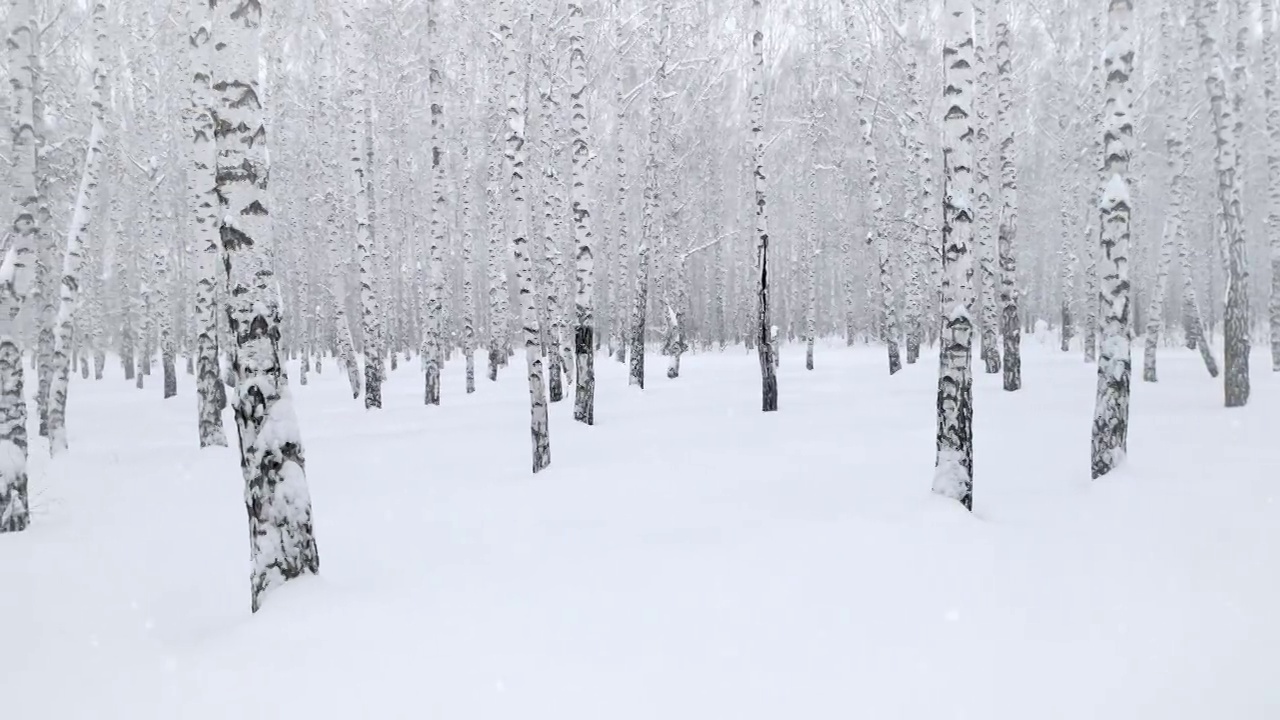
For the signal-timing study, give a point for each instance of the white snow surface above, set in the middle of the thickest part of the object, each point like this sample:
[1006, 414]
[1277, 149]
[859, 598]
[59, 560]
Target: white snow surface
[687, 557]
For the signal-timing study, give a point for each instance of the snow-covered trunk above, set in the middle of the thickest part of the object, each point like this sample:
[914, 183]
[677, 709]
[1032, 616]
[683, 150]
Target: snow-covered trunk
[811, 247]
[1111, 413]
[1228, 126]
[282, 543]
[672, 297]
[498, 250]
[918, 193]
[1067, 253]
[982, 187]
[580, 204]
[375, 349]
[1172, 220]
[1091, 290]
[552, 214]
[1271, 82]
[514, 160]
[41, 300]
[433, 348]
[358, 189]
[953, 474]
[621, 230]
[16, 272]
[159, 304]
[879, 236]
[326, 129]
[468, 265]
[77, 235]
[764, 334]
[649, 230]
[1010, 328]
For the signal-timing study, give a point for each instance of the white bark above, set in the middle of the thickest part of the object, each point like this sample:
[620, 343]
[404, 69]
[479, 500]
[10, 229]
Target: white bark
[271, 457]
[953, 474]
[580, 204]
[982, 186]
[77, 234]
[764, 338]
[1271, 82]
[1010, 328]
[1111, 413]
[16, 272]
[515, 161]
[1228, 123]
[433, 349]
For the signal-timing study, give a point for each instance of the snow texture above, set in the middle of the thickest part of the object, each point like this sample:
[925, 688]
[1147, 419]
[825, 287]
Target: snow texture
[702, 578]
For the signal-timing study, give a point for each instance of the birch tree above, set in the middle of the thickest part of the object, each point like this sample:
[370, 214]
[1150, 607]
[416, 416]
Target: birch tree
[77, 234]
[16, 272]
[953, 474]
[1111, 413]
[764, 324]
[1228, 124]
[358, 188]
[515, 161]
[580, 206]
[982, 186]
[203, 206]
[1010, 327]
[433, 349]
[282, 543]
[1173, 220]
[1271, 83]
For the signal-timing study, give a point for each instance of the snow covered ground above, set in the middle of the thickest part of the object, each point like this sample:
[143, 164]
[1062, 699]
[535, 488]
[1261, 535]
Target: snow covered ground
[688, 557]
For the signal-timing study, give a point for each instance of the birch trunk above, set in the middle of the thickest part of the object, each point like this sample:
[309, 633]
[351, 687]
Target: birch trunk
[1177, 174]
[1271, 81]
[982, 186]
[764, 339]
[358, 188]
[78, 233]
[433, 350]
[16, 272]
[580, 204]
[953, 473]
[1111, 414]
[1228, 125]
[514, 160]
[1010, 328]
[282, 543]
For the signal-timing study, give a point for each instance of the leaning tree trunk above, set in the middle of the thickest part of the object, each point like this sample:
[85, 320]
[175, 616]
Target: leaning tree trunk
[282, 544]
[1111, 414]
[78, 233]
[15, 280]
[580, 203]
[764, 340]
[514, 159]
[1228, 126]
[953, 474]
[1010, 328]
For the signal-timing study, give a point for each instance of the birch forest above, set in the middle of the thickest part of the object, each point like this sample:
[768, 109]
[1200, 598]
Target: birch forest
[391, 254]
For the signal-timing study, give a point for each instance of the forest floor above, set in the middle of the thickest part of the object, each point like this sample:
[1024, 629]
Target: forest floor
[687, 558]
